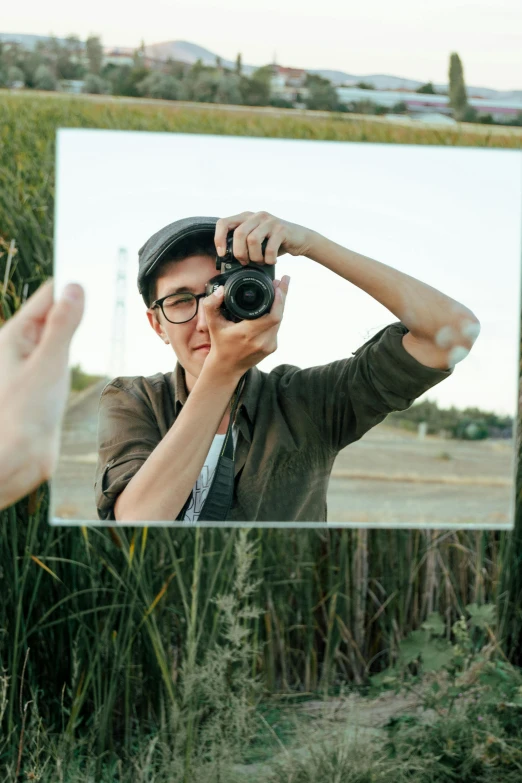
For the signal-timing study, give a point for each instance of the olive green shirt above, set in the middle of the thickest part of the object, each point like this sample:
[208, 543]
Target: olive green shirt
[291, 422]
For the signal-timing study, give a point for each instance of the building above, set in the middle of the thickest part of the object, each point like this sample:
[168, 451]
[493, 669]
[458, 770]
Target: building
[421, 103]
[118, 57]
[288, 83]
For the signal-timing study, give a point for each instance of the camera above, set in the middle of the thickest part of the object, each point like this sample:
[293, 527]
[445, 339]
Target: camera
[248, 290]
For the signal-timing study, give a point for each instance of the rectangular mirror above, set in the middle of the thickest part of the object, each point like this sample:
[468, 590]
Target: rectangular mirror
[449, 217]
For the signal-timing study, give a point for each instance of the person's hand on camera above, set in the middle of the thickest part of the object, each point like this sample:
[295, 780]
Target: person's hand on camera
[252, 228]
[235, 347]
[34, 385]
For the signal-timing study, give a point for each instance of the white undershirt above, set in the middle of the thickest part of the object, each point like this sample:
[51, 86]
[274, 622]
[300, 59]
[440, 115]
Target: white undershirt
[202, 485]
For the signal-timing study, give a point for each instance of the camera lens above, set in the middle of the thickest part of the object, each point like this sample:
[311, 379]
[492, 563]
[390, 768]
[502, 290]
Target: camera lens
[249, 297]
[249, 294]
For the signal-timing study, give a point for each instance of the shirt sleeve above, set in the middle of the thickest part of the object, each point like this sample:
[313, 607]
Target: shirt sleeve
[127, 435]
[346, 398]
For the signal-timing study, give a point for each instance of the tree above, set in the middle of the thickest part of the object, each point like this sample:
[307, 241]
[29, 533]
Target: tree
[176, 68]
[458, 99]
[160, 85]
[257, 89]
[68, 58]
[95, 85]
[124, 79]
[229, 89]
[322, 95]
[365, 86]
[94, 52]
[44, 78]
[139, 56]
[14, 74]
[239, 65]
[426, 89]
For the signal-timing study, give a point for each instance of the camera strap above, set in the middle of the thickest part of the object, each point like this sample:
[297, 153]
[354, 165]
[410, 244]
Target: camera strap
[221, 492]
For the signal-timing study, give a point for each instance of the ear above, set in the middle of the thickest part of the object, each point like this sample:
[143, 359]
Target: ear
[155, 324]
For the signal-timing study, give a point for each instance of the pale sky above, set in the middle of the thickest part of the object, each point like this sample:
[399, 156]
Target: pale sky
[405, 38]
[450, 217]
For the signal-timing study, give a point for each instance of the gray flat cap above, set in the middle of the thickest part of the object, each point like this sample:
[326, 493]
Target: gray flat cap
[166, 239]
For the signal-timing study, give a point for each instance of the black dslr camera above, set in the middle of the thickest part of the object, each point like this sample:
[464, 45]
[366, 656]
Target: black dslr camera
[249, 292]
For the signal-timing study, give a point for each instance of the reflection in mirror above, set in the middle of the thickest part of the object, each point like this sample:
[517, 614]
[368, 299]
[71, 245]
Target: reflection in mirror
[379, 388]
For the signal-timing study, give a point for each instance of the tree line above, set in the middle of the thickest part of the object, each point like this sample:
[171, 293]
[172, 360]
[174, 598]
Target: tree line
[468, 424]
[52, 61]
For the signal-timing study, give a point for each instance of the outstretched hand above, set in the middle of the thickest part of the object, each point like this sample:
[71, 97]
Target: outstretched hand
[34, 386]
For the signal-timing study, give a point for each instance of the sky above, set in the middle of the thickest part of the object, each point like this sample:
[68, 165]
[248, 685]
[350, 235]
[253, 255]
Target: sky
[450, 217]
[405, 38]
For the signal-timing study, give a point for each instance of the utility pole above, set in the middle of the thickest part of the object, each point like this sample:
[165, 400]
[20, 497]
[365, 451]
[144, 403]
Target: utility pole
[117, 356]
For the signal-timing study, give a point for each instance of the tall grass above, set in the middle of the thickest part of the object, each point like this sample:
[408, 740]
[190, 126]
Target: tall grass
[112, 633]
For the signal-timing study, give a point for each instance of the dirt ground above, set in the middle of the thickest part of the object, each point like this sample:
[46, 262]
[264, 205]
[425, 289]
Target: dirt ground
[389, 477]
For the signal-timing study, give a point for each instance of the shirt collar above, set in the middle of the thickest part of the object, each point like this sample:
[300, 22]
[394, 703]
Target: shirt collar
[248, 402]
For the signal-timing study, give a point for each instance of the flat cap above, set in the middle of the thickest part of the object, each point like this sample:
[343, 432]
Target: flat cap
[165, 240]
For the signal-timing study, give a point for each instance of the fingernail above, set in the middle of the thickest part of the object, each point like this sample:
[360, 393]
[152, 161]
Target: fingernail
[221, 251]
[218, 291]
[72, 291]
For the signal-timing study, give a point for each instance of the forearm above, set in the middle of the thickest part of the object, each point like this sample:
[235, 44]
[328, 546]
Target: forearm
[160, 488]
[424, 310]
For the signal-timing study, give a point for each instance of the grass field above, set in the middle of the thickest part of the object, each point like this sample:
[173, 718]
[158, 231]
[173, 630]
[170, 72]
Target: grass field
[126, 652]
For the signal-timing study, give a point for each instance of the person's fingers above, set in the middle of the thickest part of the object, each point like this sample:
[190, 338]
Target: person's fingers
[223, 226]
[61, 323]
[274, 317]
[212, 305]
[273, 244]
[240, 243]
[21, 333]
[38, 305]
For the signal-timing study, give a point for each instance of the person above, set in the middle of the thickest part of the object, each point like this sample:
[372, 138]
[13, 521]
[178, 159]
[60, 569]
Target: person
[159, 437]
[34, 385]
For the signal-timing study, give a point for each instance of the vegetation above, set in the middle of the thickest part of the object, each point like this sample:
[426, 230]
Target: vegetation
[81, 380]
[458, 98]
[53, 63]
[143, 654]
[427, 89]
[468, 424]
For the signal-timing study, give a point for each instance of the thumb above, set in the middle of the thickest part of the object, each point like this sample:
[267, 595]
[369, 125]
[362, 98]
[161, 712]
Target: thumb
[212, 306]
[61, 323]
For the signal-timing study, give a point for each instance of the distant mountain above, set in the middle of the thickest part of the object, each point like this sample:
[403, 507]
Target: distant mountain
[187, 52]
[27, 41]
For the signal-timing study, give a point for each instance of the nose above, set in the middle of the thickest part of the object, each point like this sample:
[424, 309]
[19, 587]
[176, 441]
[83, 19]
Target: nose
[201, 319]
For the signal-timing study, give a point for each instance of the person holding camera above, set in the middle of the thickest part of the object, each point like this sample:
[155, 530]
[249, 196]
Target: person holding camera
[218, 439]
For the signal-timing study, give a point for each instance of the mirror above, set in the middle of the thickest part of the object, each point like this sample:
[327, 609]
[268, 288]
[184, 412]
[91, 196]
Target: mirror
[449, 217]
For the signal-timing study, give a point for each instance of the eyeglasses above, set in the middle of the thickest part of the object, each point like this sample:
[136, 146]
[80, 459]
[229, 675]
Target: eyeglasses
[178, 308]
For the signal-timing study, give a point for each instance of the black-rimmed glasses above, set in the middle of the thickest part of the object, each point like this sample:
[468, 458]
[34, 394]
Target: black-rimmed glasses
[178, 308]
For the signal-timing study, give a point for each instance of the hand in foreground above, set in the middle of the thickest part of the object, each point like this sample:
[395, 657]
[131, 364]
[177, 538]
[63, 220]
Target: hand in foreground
[235, 347]
[34, 385]
[250, 229]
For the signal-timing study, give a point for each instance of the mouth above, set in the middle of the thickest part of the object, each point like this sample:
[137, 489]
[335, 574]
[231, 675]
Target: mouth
[204, 347]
